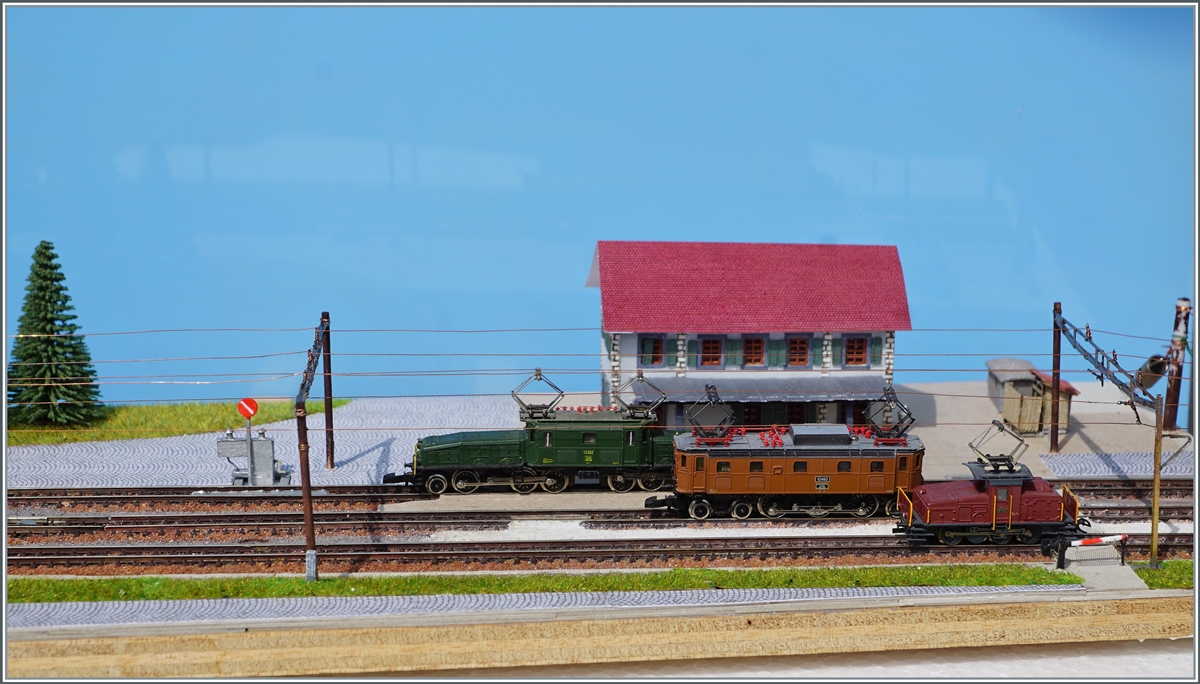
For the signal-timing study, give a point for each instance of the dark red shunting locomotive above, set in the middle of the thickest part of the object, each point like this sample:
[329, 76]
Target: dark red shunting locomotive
[1002, 502]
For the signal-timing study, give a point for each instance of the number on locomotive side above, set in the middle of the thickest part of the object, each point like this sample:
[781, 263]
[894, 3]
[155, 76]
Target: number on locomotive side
[822, 478]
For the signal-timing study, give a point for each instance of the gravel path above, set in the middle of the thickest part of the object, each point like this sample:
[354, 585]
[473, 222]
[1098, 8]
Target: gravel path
[27, 615]
[374, 437]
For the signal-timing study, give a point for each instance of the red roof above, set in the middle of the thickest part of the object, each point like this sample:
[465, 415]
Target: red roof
[739, 287]
[1063, 385]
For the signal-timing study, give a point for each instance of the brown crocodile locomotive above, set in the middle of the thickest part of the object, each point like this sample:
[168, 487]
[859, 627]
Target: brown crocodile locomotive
[809, 470]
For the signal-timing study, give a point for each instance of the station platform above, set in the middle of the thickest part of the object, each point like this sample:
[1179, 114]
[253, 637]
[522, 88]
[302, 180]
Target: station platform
[376, 436]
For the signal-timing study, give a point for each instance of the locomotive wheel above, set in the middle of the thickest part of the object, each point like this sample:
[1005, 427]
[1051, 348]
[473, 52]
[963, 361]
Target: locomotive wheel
[1028, 536]
[864, 506]
[622, 486]
[651, 484]
[465, 482]
[555, 482]
[741, 510]
[769, 508]
[700, 509]
[944, 536]
[436, 484]
[977, 538]
[1003, 538]
[524, 487]
[890, 509]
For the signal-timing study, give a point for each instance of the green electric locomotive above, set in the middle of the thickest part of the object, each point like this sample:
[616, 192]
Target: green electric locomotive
[615, 445]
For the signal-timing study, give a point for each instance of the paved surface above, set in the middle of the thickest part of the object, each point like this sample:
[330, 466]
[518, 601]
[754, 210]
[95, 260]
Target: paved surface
[1101, 569]
[373, 437]
[1103, 439]
[35, 615]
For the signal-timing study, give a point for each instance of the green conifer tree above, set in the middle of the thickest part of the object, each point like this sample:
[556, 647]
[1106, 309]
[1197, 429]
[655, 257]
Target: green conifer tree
[51, 380]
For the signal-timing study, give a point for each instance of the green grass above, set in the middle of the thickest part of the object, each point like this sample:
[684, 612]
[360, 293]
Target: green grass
[25, 590]
[1174, 574]
[140, 421]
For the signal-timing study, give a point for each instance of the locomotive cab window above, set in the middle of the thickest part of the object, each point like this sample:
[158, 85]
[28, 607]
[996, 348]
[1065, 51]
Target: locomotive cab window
[645, 435]
[682, 460]
[843, 466]
[903, 464]
[699, 464]
[722, 466]
[1002, 494]
[877, 466]
[799, 466]
[548, 440]
[629, 438]
[756, 466]
[589, 438]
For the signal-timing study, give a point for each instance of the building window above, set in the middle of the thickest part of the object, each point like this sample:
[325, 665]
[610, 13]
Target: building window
[856, 351]
[799, 466]
[651, 351]
[877, 466]
[756, 466]
[751, 414]
[722, 466]
[753, 351]
[710, 352]
[843, 466]
[589, 438]
[797, 351]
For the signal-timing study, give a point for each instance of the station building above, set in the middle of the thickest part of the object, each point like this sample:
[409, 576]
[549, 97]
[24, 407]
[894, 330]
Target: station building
[787, 333]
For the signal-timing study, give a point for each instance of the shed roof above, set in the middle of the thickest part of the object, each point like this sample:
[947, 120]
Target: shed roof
[1063, 385]
[739, 287]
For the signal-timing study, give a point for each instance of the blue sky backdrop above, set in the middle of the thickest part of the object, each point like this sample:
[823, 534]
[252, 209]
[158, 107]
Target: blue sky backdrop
[453, 168]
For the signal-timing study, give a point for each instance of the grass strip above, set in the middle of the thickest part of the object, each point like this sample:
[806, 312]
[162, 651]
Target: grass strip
[142, 421]
[41, 590]
[1174, 574]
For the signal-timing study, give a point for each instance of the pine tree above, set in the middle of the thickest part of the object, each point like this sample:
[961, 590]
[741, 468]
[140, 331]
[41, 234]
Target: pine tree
[51, 380]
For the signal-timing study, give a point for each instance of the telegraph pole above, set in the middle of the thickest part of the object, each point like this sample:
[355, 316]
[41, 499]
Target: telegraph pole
[1054, 379]
[1175, 360]
[1158, 437]
[325, 354]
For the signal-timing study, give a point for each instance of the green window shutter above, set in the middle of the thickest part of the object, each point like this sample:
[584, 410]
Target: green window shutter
[647, 349]
[733, 352]
[776, 353]
[672, 350]
[693, 353]
[876, 351]
[838, 361]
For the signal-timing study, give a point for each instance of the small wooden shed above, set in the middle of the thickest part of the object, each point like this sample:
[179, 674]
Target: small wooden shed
[1022, 395]
[1065, 391]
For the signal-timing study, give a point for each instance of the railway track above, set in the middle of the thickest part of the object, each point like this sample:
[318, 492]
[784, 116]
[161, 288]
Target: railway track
[181, 496]
[69, 497]
[521, 552]
[1120, 488]
[328, 522]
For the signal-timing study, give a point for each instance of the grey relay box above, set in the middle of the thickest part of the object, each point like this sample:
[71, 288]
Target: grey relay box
[264, 471]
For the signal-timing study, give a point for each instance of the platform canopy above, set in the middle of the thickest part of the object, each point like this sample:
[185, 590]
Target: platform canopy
[762, 390]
